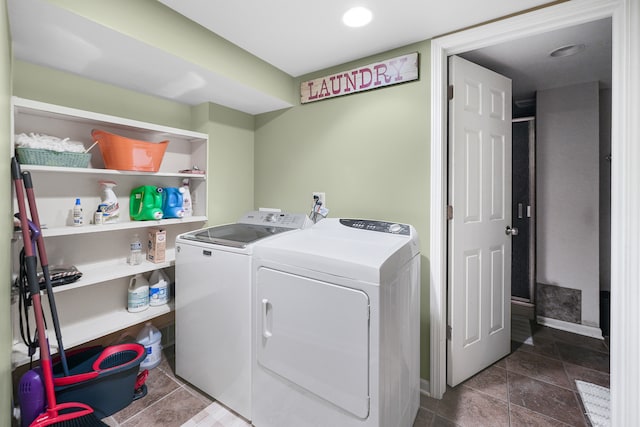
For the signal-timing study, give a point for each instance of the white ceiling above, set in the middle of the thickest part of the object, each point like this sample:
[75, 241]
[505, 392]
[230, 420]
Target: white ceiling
[295, 36]
[300, 36]
[528, 64]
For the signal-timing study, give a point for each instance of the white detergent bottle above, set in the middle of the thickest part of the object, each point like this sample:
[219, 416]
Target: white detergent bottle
[138, 294]
[150, 337]
[187, 206]
[109, 203]
[158, 288]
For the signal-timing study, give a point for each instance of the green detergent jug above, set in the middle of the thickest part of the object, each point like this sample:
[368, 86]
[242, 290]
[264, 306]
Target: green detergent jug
[146, 203]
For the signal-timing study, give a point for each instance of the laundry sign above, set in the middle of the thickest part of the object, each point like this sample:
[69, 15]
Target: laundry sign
[401, 69]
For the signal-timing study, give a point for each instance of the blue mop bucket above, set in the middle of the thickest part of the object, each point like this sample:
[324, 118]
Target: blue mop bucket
[103, 378]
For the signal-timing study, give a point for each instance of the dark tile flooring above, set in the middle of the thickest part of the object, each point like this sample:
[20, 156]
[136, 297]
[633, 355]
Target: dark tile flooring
[533, 386]
[169, 402]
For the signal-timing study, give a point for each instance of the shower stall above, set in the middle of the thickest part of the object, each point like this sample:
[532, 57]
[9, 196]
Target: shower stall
[523, 213]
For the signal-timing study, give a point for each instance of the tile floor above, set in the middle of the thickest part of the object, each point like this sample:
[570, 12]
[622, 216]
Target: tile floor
[533, 386]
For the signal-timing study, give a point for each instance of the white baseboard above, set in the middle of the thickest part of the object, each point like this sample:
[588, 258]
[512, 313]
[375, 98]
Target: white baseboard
[590, 331]
[424, 387]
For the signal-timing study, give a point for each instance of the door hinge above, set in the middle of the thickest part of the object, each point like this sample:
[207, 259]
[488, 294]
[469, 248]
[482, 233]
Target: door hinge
[448, 332]
[449, 212]
[450, 92]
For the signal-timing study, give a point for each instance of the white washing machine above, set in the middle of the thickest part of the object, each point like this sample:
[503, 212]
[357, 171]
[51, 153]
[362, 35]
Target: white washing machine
[337, 326]
[213, 304]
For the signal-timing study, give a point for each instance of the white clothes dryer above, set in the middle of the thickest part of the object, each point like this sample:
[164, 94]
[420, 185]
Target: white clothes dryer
[213, 304]
[337, 332]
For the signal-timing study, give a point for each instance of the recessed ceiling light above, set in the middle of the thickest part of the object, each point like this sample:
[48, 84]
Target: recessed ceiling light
[357, 17]
[568, 50]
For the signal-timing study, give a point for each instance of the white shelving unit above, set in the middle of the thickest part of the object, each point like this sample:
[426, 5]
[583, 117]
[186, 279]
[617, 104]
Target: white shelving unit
[95, 305]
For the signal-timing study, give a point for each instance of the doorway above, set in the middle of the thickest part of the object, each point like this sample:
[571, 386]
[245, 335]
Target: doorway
[537, 22]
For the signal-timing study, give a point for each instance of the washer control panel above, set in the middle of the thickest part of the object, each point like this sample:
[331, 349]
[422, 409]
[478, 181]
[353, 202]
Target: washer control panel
[279, 219]
[380, 226]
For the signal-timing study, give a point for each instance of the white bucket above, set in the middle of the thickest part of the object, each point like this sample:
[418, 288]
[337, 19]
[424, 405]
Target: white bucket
[150, 337]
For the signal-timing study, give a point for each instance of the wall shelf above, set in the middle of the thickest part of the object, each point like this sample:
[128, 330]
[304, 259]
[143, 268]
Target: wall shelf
[124, 225]
[90, 329]
[95, 305]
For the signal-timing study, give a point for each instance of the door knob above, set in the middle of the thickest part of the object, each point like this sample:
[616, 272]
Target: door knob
[511, 231]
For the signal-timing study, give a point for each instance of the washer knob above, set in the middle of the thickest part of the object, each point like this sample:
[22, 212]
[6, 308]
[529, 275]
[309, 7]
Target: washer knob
[271, 218]
[395, 228]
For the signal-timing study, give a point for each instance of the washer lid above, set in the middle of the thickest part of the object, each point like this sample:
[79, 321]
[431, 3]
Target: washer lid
[234, 235]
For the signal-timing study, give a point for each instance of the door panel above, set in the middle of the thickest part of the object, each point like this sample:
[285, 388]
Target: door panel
[480, 194]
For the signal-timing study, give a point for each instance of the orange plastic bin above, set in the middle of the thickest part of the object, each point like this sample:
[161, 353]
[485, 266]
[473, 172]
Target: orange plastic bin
[121, 153]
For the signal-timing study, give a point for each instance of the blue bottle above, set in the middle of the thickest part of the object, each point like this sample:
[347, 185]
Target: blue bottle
[172, 203]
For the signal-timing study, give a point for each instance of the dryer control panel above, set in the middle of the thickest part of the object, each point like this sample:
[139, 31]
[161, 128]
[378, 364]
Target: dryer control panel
[380, 226]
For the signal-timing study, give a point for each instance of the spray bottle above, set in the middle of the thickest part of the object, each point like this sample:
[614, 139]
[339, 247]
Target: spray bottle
[109, 203]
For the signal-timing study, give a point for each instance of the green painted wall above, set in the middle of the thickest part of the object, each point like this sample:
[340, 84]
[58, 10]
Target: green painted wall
[6, 223]
[230, 160]
[369, 152]
[58, 87]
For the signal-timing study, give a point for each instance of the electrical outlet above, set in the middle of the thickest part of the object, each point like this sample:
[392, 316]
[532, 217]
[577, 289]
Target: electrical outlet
[321, 196]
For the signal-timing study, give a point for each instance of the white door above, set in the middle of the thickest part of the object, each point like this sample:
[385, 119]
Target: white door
[479, 268]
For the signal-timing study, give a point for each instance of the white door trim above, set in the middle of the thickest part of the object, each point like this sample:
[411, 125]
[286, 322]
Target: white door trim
[625, 204]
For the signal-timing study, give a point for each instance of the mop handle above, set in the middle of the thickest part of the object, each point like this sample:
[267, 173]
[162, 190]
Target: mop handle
[44, 263]
[34, 287]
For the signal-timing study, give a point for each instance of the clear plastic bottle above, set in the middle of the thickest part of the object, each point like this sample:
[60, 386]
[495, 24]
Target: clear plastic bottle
[135, 250]
[78, 219]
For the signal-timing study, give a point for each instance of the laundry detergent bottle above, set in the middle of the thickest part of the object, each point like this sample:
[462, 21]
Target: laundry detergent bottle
[172, 203]
[109, 203]
[187, 206]
[145, 203]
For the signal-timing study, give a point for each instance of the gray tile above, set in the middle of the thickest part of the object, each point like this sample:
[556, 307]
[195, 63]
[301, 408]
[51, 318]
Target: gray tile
[172, 411]
[523, 417]
[585, 357]
[576, 372]
[491, 381]
[467, 407]
[428, 402]
[502, 363]
[542, 346]
[539, 367]
[552, 401]
[158, 384]
[424, 418]
[198, 394]
[557, 302]
[580, 340]
[439, 421]
[110, 421]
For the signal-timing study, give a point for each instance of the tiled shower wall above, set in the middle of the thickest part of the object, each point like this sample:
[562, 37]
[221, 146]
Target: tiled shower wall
[559, 303]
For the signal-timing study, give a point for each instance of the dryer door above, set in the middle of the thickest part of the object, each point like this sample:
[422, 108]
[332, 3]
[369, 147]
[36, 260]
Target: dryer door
[316, 335]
